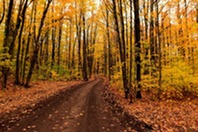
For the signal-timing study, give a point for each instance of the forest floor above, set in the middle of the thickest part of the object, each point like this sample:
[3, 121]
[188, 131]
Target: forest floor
[168, 115]
[58, 106]
[90, 107]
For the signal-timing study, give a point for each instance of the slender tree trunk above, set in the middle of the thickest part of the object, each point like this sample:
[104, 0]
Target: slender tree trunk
[180, 32]
[146, 66]
[69, 46]
[73, 55]
[152, 38]
[124, 50]
[17, 80]
[59, 45]
[131, 44]
[197, 13]
[84, 69]
[22, 56]
[79, 33]
[3, 14]
[186, 43]
[126, 31]
[109, 46]
[163, 48]
[137, 48]
[105, 57]
[92, 51]
[159, 51]
[46, 45]
[26, 57]
[53, 37]
[121, 43]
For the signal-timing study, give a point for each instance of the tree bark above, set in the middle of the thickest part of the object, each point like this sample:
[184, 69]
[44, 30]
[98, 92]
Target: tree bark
[3, 14]
[159, 51]
[78, 33]
[5, 70]
[59, 45]
[131, 44]
[137, 48]
[121, 44]
[17, 80]
[70, 44]
[26, 57]
[84, 69]
[152, 38]
[146, 66]
[53, 37]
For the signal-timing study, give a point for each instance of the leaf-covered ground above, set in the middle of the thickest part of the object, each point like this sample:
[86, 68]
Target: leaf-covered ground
[18, 100]
[166, 115]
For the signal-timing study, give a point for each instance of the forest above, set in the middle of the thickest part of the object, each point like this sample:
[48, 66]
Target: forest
[144, 48]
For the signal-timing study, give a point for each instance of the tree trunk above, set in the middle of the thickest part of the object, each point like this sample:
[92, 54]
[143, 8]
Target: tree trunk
[123, 60]
[84, 69]
[109, 46]
[73, 54]
[59, 45]
[5, 69]
[137, 48]
[78, 33]
[146, 66]
[131, 44]
[159, 51]
[69, 46]
[121, 44]
[152, 38]
[46, 48]
[53, 37]
[92, 51]
[17, 81]
[3, 14]
[105, 57]
[26, 57]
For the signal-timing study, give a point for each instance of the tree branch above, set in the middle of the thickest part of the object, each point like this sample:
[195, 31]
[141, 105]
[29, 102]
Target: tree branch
[1, 20]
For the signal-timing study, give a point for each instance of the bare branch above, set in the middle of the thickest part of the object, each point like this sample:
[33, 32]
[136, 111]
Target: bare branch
[1, 20]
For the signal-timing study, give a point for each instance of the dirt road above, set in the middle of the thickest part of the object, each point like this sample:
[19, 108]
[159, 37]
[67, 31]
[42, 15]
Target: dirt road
[81, 109]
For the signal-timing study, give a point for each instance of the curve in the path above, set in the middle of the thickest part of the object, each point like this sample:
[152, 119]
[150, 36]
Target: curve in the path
[81, 109]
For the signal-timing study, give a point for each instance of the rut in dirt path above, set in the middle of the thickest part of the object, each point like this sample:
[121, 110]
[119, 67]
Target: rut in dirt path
[80, 109]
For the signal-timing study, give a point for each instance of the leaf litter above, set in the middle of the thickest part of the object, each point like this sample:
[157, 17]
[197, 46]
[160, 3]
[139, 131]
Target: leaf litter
[17, 100]
[162, 115]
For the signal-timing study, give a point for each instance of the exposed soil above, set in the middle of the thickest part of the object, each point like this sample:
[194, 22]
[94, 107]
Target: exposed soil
[79, 109]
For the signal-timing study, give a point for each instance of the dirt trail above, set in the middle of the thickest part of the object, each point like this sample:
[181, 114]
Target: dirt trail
[81, 109]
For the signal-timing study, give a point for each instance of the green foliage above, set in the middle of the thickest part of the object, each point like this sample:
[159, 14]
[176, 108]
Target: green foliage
[46, 72]
[57, 73]
[179, 81]
[5, 59]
